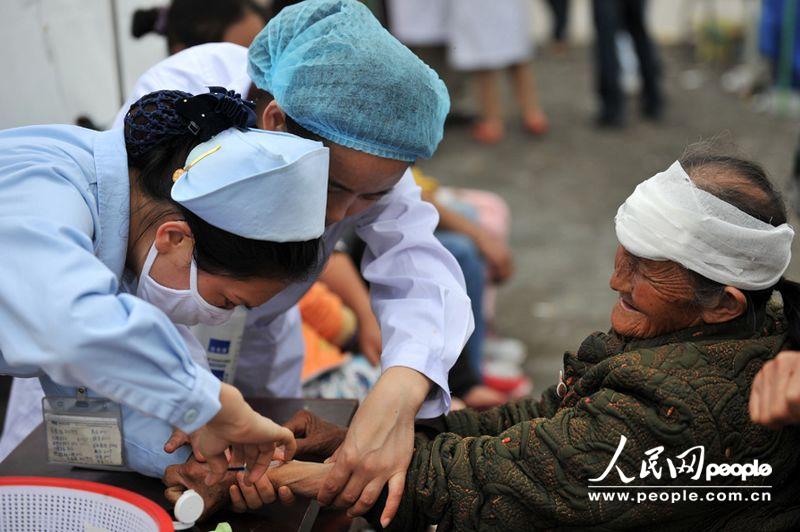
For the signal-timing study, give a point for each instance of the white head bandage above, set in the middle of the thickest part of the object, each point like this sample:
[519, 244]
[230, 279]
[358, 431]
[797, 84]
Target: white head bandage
[668, 218]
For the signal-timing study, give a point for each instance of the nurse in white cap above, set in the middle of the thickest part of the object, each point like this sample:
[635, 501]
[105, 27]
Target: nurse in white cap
[115, 241]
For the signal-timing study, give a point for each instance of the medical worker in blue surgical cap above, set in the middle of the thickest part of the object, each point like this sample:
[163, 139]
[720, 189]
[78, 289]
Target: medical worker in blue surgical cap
[337, 76]
[116, 241]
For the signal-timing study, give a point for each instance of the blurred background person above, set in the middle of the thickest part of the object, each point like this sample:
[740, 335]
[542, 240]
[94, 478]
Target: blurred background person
[779, 40]
[486, 38]
[560, 12]
[332, 367]
[187, 23]
[611, 17]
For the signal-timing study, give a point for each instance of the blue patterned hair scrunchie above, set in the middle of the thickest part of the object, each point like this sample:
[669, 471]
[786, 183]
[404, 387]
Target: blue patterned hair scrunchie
[168, 113]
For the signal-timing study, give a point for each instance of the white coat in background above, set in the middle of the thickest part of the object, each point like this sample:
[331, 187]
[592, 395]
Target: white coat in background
[419, 22]
[487, 35]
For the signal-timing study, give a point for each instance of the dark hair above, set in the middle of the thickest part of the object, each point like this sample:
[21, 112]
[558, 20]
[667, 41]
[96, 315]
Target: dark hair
[262, 99]
[296, 129]
[743, 184]
[216, 251]
[146, 21]
[193, 22]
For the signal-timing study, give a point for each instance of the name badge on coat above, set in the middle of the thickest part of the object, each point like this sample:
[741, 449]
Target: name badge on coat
[84, 431]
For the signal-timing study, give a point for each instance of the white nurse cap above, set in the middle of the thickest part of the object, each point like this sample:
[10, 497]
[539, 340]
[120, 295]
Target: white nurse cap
[261, 185]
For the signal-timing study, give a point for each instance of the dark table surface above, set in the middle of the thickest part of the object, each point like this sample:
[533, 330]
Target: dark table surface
[30, 459]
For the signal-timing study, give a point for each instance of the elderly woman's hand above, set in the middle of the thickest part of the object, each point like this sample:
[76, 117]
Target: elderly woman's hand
[775, 396]
[291, 479]
[191, 475]
[316, 438]
[253, 497]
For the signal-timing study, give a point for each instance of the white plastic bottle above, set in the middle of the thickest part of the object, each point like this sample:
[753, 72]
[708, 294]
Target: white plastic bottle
[223, 343]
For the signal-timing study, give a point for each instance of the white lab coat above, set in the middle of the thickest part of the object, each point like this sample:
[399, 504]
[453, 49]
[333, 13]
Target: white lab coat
[487, 35]
[417, 287]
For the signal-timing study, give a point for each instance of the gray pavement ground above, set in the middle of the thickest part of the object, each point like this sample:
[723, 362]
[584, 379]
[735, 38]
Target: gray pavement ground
[564, 189]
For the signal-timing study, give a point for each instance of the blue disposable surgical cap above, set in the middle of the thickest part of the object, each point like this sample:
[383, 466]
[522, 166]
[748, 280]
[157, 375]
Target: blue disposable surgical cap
[338, 73]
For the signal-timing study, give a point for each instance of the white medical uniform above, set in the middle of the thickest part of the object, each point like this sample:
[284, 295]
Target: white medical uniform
[64, 193]
[417, 288]
[487, 35]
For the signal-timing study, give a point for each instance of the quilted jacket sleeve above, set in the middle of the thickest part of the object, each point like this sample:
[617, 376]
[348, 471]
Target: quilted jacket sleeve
[527, 472]
[492, 422]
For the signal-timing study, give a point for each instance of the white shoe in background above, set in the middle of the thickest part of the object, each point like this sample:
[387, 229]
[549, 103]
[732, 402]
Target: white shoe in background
[510, 350]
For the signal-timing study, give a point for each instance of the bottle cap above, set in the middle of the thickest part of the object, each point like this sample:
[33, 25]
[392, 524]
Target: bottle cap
[188, 510]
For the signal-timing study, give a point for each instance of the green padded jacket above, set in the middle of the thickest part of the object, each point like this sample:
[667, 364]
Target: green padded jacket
[526, 465]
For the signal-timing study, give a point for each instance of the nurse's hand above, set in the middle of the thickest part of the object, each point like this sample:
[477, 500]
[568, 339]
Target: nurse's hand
[378, 447]
[252, 438]
[369, 337]
[177, 440]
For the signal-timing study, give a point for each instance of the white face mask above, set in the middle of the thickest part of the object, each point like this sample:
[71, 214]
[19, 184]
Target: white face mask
[186, 307]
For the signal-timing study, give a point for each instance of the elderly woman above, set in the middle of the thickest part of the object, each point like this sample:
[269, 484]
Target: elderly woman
[660, 400]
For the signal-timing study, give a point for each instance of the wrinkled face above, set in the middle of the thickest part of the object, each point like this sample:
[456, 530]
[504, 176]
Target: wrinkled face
[655, 297]
[172, 267]
[357, 180]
